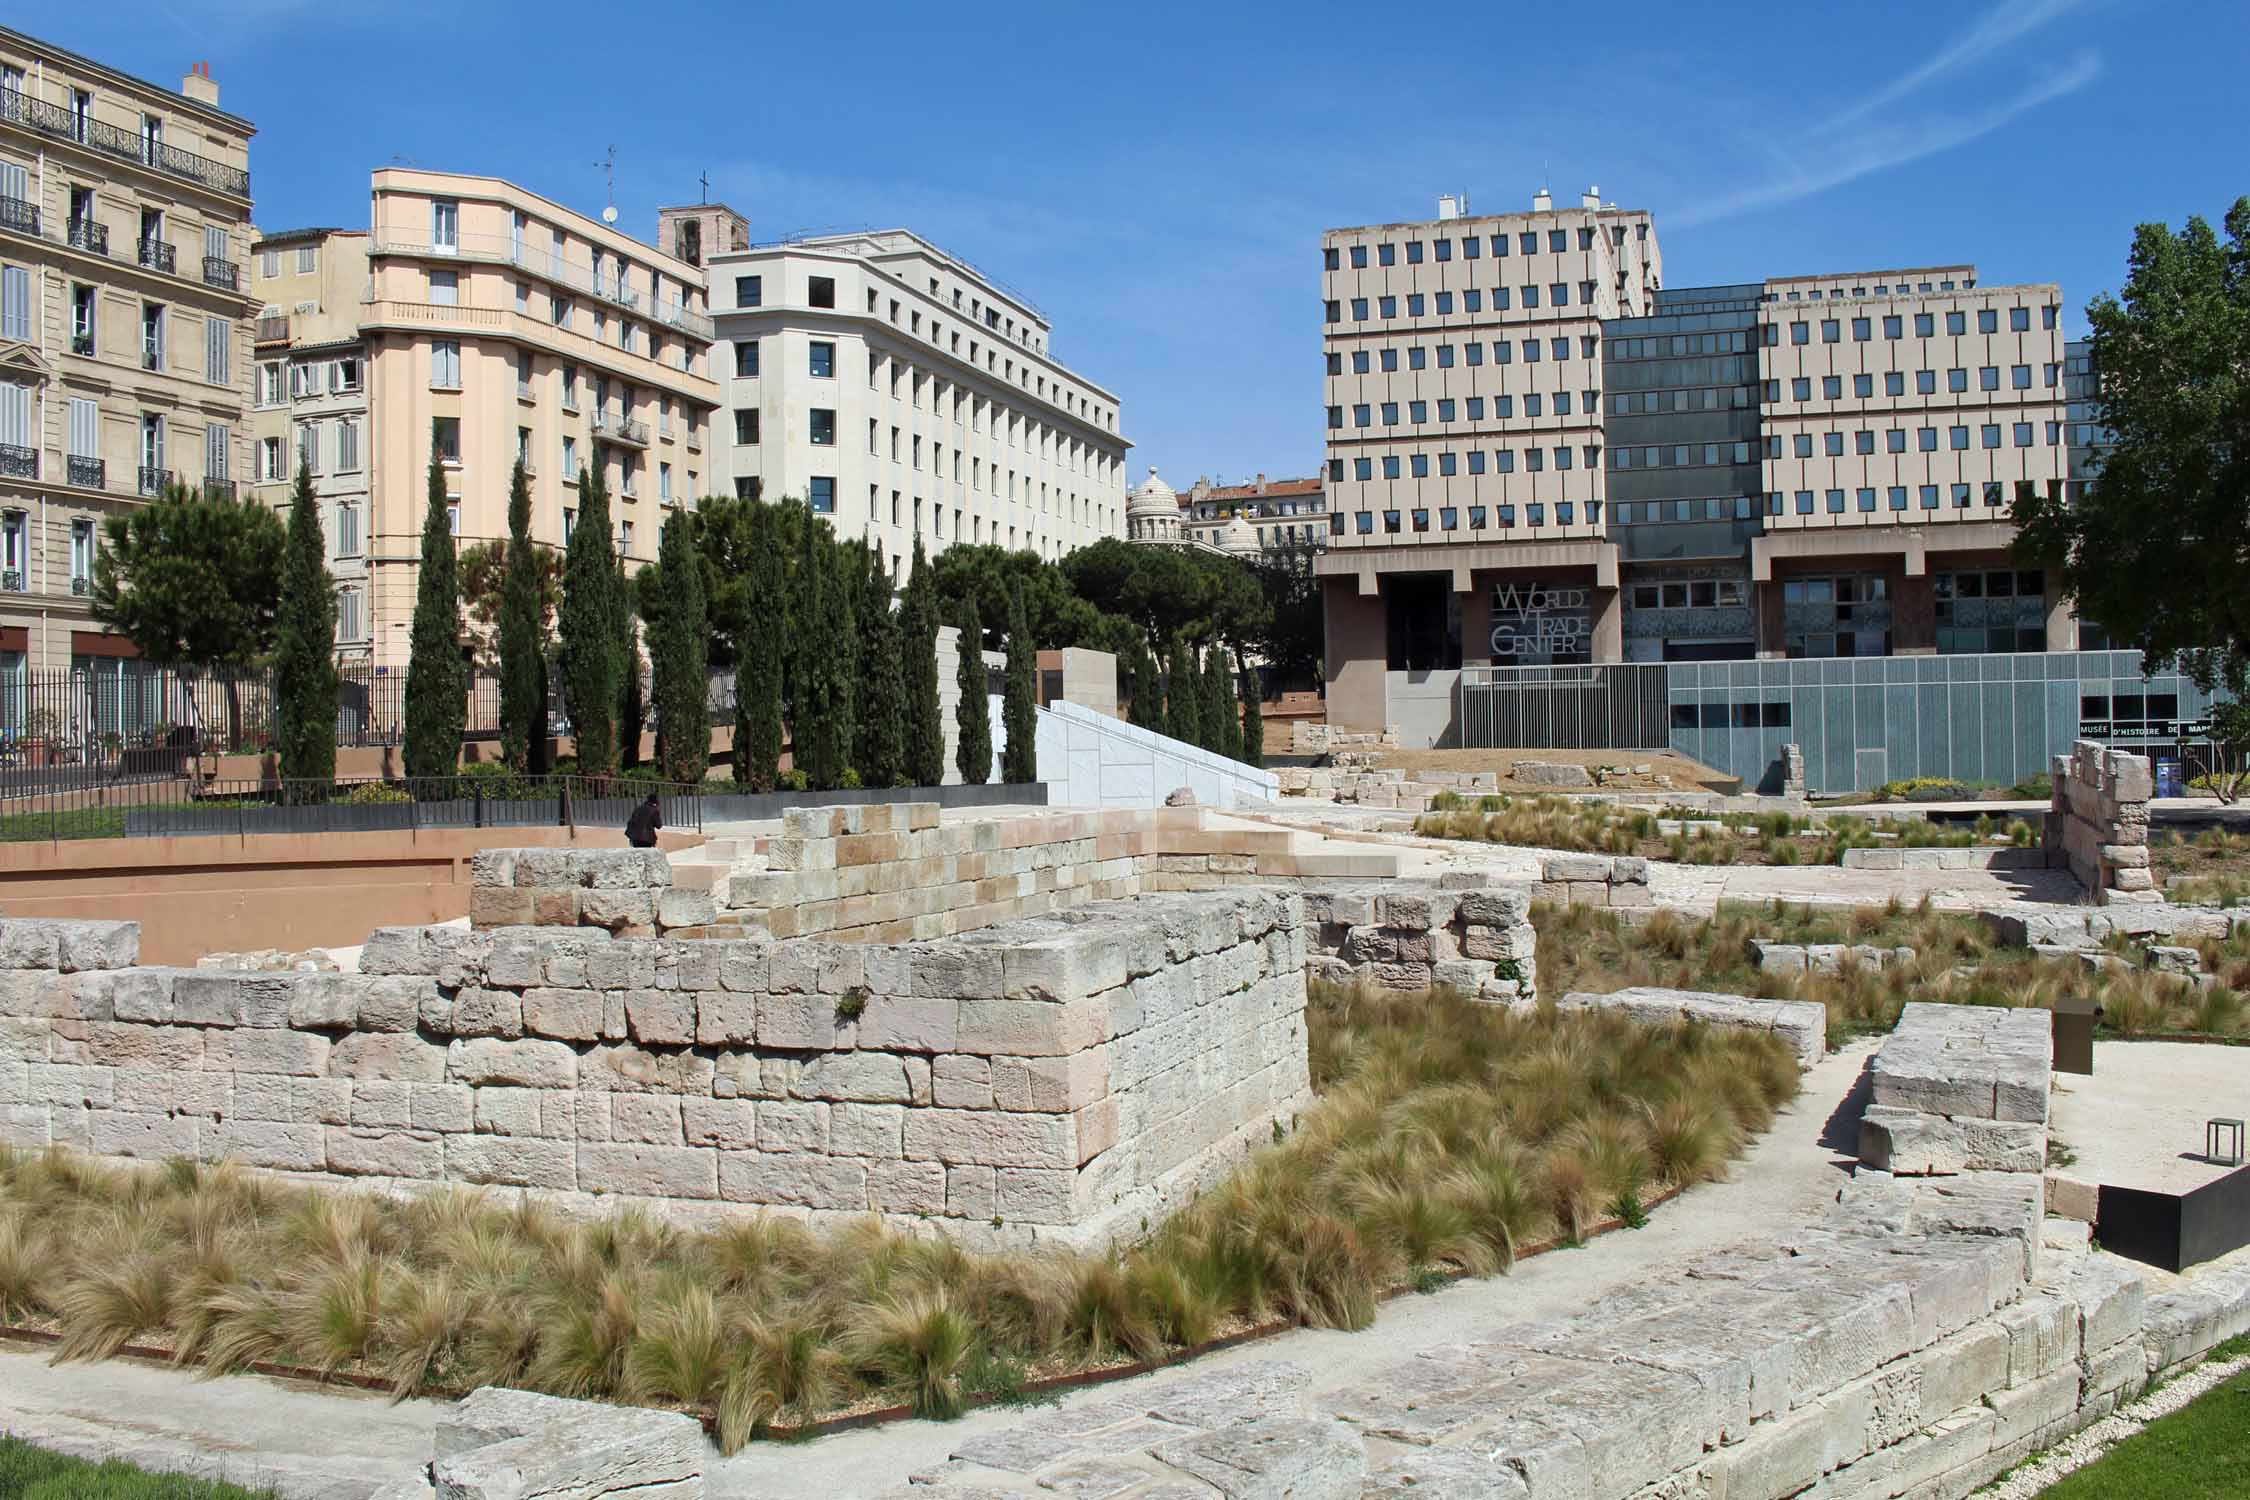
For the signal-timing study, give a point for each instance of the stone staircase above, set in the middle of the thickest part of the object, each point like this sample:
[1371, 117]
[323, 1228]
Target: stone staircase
[724, 885]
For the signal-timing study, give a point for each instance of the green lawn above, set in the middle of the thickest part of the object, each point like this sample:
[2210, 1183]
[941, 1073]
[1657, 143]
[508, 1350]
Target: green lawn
[2200, 1452]
[28, 1473]
[71, 823]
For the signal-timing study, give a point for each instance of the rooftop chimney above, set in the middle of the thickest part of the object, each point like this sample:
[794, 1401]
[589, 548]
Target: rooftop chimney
[1452, 205]
[197, 85]
[1542, 201]
[1591, 198]
[1261, 481]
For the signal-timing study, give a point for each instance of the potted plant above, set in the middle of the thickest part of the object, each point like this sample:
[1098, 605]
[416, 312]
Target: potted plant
[43, 738]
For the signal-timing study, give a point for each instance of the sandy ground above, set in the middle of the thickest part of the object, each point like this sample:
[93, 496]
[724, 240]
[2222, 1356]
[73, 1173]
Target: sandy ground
[2137, 1121]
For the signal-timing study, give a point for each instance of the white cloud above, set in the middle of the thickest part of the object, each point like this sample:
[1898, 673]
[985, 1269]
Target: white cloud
[2003, 24]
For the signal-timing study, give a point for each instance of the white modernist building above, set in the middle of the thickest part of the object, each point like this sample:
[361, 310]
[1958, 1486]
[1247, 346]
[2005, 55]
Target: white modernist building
[901, 392]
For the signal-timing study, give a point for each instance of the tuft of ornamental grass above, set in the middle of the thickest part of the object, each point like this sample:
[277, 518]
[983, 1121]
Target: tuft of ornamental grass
[1446, 1138]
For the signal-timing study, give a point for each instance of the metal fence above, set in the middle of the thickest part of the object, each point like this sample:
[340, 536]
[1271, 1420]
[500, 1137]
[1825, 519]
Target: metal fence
[1617, 706]
[101, 809]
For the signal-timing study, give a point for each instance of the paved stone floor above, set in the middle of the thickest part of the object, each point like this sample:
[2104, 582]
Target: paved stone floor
[2138, 1120]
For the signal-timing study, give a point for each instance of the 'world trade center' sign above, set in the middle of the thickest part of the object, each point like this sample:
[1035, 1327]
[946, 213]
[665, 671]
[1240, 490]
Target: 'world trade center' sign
[1540, 620]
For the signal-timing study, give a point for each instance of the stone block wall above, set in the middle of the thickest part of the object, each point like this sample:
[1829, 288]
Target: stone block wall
[622, 891]
[2097, 827]
[1047, 1077]
[1803, 1024]
[1960, 1088]
[1411, 935]
[1594, 880]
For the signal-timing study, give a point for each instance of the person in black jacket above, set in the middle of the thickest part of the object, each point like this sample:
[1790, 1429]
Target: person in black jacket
[640, 828]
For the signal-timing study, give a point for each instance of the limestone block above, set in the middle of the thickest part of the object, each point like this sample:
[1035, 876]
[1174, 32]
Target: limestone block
[1023, 1028]
[620, 1068]
[1274, 1458]
[1558, 868]
[30, 943]
[872, 1130]
[989, 1138]
[530, 1063]
[789, 1126]
[500, 906]
[2112, 1300]
[1443, 1474]
[483, 1012]
[724, 1018]
[863, 1077]
[903, 1024]
[273, 1144]
[956, 971]
[961, 1081]
[511, 1161]
[296, 1054]
[117, 1132]
[644, 1119]
[620, 869]
[528, 1446]
[1050, 1084]
[400, 1055]
[616, 910]
[822, 1182]
[1910, 1143]
[1063, 968]
[2043, 1336]
[661, 1017]
[566, 1015]
[143, 995]
[679, 906]
[805, 1022]
[385, 1153]
[906, 1187]
[727, 1124]
[648, 1171]
[91, 944]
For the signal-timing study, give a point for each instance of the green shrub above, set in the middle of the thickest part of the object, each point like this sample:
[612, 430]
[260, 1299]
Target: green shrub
[376, 794]
[28, 1473]
[795, 781]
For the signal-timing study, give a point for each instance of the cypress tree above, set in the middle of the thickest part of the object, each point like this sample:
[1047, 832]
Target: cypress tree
[1019, 715]
[1253, 721]
[632, 692]
[882, 699]
[925, 728]
[841, 592]
[1222, 730]
[1183, 697]
[679, 648]
[304, 657]
[757, 678]
[593, 665]
[1148, 689]
[523, 656]
[972, 716]
[813, 724]
[437, 702]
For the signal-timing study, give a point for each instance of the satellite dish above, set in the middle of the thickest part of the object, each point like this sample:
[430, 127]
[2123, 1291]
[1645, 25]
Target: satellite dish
[609, 214]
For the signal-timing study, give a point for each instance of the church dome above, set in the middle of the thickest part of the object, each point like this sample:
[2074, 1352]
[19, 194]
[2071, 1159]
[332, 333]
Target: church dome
[1152, 509]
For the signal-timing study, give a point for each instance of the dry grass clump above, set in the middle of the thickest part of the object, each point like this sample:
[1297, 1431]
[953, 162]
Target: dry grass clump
[1448, 1136]
[1588, 827]
[1956, 962]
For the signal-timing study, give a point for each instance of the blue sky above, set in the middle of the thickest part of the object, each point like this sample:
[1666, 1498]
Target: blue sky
[1156, 176]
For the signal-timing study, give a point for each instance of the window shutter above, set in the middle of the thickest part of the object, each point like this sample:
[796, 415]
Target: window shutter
[215, 444]
[15, 303]
[15, 416]
[85, 428]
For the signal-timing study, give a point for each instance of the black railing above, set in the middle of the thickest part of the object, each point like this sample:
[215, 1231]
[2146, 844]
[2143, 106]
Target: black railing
[19, 108]
[218, 488]
[218, 272]
[274, 329]
[20, 215]
[154, 480]
[18, 463]
[159, 256]
[90, 236]
[171, 802]
[82, 343]
[86, 473]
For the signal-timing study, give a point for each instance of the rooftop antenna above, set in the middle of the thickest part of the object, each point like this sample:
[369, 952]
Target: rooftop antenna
[608, 164]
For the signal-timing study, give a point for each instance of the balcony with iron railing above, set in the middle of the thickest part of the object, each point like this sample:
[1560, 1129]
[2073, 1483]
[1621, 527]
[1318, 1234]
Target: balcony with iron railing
[88, 236]
[20, 215]
[619, 428]
[218, 488]
[18, 463]
[11, 581]
[152, 356]
[86, 473]
[576, 275]
[158, 256]
[21, 109]
[82, 342]
[274, 329]
[221, 273]
[81, 585]
[153, 481]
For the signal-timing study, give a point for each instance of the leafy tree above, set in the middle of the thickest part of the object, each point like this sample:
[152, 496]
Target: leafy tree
[882, 699]
[1253, 751]
[1019, 713]
[1170, 591]
[1293, 639]
[483, 572]
[523, 614]
[2158, 545]
[814, 728]
[593, 665]
[678, 645]
[632, 699]
[437, 689]
[193, 580]
[1183, 696]
[304, 657]
[991, 575]
[757, 682]
[972, 716]
[924, 748]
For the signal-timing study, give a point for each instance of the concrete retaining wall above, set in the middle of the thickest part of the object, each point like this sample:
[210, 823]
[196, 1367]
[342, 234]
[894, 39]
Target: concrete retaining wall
[2098, 825]
[1092, 760]
[1053, 1077]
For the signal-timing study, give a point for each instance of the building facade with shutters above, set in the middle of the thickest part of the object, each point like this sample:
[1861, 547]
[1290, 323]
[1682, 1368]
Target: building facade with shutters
[1541, 455]
[497, 325]
[125, 327]
[903, 393]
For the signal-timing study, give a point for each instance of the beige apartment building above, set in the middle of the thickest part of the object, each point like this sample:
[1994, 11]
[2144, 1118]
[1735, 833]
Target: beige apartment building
[1806, 466]
[492, 323]
[124, 334]
[309, 401]
[902, 392]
